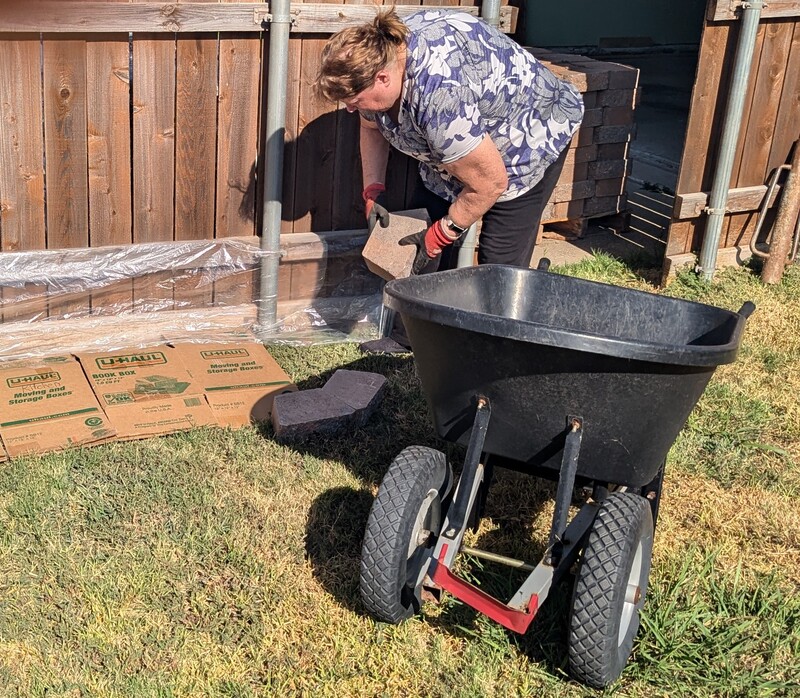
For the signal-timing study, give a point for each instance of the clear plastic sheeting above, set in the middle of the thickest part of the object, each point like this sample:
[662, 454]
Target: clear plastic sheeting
[327, 320]
[346, 296]
[107, 298]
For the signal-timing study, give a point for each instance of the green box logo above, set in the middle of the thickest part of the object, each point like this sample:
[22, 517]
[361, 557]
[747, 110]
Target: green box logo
[154, 358]
[46, 377]
[118, 398]
[223, 353]
[93, 422]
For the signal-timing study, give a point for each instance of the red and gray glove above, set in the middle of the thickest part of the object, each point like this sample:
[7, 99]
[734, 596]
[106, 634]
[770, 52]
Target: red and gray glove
[375, 205]
[430, 244]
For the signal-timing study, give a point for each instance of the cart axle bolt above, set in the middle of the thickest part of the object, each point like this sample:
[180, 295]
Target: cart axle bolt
[450, 533]
[633, 594]
[651, 495]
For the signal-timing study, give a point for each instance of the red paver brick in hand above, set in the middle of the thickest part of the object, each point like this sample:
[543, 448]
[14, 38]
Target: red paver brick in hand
[382, 253]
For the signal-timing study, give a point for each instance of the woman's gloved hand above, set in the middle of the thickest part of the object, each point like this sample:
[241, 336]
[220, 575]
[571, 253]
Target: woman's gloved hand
[375, 205]
[430, 244]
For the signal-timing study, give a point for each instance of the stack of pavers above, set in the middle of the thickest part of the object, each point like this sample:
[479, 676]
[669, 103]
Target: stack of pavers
[592, 183]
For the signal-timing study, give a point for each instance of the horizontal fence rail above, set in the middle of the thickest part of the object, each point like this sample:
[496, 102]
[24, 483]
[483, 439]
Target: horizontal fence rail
[172, 18]
[723, 10]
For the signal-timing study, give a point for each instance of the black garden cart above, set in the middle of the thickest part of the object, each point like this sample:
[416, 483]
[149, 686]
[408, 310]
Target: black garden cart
[556, 377]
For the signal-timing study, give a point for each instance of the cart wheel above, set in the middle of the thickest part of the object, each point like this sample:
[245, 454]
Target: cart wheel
[403, 524]
[610, 588]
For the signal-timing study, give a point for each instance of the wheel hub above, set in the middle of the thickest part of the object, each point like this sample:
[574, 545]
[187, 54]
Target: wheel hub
[420, 533]
[633, 595]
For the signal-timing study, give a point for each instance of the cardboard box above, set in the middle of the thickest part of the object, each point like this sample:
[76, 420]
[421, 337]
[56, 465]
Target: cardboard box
[240, 381]
[47, 406]
[146, 392]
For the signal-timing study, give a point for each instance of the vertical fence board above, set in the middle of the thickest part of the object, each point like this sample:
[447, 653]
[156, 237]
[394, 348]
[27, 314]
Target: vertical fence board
[239, 94]
[315, 162]
[239, 71]
[109, 140]
[725, 231]
[749, 105]
[238, 129]
[708, 104]
[109, 126]
[771, 83]
[292, 129]
[787, 124]
[347, 208]
[64, 78]
[108, 88]
[22, 208]
[195, 137]
[702, 135]
[316, 145]
[153, 158]
[153, 137]
[195, 155]
[65, 142]
[22, 219]
[286, 271]
[196, 75]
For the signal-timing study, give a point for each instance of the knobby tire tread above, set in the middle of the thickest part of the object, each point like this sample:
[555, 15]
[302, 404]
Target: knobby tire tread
[409, 477]
[593, 651]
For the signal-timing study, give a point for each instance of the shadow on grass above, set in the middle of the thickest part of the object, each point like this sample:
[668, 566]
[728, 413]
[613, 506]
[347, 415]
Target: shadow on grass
[334, 533]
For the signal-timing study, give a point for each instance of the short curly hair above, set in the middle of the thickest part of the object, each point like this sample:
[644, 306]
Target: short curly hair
[353, 57]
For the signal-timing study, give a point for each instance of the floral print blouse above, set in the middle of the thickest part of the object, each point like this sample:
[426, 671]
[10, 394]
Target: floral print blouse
[465, 79]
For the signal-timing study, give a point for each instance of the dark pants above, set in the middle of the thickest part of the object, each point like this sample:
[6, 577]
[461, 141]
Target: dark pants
[509, 228]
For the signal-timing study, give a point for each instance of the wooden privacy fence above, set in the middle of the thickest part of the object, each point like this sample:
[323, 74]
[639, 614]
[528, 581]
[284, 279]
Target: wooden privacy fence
[115, 137]
[770, 124]
[142, 122]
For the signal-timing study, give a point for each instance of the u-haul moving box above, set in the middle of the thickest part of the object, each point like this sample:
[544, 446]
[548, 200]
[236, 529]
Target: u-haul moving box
[47, 406]
[146, 392]
[240, 381]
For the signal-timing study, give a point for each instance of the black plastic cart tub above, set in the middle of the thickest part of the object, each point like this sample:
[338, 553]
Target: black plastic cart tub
[544, 347]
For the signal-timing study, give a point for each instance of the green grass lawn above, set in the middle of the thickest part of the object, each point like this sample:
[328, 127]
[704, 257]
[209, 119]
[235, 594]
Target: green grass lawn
[219, 563]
